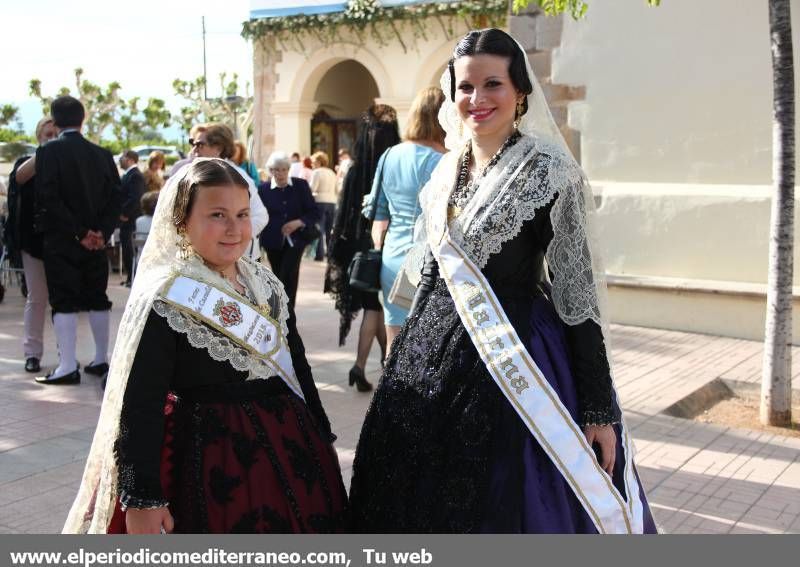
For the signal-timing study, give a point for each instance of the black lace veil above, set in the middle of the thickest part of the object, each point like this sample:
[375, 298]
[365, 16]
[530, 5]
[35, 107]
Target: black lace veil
[378, 131]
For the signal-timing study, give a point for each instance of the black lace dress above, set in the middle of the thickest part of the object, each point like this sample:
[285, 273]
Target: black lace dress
[226, 454]
[441, 449]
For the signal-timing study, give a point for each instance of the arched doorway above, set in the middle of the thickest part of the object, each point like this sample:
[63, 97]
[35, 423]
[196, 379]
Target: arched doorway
[343, 93]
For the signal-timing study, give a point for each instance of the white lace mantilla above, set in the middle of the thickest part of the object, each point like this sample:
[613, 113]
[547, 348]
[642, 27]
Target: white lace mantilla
[526, 178]
[218, 346]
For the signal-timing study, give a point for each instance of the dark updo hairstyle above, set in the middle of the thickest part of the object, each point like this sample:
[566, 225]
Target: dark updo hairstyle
[202, 173]
[493, 41]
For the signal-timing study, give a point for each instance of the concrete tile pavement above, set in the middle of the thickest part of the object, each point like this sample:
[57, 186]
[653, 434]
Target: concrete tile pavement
[700, 478]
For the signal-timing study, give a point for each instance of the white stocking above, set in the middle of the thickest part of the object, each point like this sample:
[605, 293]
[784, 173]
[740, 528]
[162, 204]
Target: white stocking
[99, 321]
[66, 329]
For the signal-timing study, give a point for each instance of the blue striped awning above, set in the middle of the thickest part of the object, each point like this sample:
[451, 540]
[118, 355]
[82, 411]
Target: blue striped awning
[280, 8]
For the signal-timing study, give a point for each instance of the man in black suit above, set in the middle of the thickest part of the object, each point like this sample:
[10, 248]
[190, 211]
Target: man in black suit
[132, 190]
[77, 208]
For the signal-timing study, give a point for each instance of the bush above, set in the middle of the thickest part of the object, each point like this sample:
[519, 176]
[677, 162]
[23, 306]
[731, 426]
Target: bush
[171, 159]
[12, 151]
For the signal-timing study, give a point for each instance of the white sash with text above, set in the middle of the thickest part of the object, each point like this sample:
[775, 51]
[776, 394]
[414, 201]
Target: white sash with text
[537, 404]
[238, 320]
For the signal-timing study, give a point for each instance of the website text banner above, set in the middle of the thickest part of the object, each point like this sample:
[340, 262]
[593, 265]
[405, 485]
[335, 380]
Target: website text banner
[396, 551]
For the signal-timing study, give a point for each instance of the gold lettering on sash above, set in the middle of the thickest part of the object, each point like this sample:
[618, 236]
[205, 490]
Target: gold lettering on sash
[480, 317]
[204, 298]
[262, 330]
[251, 330]
[496, 343]
[509, 369]
[519, 384]
[192, 297]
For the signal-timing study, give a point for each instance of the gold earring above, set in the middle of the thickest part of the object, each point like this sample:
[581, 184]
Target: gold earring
[184, 248]
[518, 113]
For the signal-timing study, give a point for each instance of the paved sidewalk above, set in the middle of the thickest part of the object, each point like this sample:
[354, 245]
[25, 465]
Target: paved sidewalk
[700, 478]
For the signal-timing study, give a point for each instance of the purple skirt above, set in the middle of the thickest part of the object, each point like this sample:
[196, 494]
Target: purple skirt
[526, 491]
[443, 451]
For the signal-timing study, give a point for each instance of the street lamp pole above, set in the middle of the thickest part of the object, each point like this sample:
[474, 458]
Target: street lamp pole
[234, 102]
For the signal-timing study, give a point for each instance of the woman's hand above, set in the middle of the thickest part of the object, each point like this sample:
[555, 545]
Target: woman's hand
[291, 226]
[148, 521]
[606, 438]
[378, 233]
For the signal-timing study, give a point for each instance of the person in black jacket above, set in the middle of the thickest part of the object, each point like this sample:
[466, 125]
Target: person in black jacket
[293, 216]
[132, 191]
[25, 246]
[78, 206]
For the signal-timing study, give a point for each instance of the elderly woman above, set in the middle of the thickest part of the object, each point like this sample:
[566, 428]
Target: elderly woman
[24, 239]
[292, 218]
[154, 174]
[208, 426]
[216, 141]
[323, 187]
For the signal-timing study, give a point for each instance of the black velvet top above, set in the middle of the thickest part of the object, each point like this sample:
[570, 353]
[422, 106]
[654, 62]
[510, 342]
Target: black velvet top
[165, 362]
[517, 272]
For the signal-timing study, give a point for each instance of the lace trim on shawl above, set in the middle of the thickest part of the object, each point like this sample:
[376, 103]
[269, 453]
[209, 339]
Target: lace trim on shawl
[529, 177]
[218, 346]
[266, 285]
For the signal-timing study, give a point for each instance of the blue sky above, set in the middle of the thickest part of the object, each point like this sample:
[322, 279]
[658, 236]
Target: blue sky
[143, 44]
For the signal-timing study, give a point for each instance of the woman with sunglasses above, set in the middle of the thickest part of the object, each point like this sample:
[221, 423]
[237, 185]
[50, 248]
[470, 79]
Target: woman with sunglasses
[216, 141]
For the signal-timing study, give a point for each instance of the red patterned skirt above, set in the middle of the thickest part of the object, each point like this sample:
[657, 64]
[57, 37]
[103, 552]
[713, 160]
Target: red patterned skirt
[247, 458]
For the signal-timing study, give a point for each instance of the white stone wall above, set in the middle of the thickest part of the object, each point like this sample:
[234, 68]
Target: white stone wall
[676, 134]
[677, 94]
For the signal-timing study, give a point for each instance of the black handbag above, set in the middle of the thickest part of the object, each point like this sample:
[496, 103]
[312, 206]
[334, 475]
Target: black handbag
[309, 232]
[365, 267]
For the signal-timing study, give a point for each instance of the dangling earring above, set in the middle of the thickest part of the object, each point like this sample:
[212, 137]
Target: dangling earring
[184, 248]
[518, 114]
[460, 128]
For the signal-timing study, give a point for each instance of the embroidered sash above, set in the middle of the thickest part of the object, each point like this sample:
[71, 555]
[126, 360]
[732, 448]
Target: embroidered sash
[537, 404]
[249, 327]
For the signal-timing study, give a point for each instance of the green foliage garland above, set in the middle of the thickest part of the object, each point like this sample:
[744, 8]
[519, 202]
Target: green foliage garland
[368, 19]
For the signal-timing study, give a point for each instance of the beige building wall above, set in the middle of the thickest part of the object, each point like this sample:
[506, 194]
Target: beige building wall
[399, 74]
[676, 137]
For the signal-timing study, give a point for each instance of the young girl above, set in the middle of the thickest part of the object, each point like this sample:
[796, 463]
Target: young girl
[211, 421]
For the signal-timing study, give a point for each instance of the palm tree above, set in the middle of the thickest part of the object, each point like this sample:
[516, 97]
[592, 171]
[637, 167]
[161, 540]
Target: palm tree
[776, 379]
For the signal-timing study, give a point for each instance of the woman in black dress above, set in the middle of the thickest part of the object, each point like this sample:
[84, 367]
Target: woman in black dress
[378, 132]
[211, 421]
[496, 411]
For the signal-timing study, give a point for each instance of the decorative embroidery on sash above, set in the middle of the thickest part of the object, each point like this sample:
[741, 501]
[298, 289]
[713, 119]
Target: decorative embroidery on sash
[229, 328]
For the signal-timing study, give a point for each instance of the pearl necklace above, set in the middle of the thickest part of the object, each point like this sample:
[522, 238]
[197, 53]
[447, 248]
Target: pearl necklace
[466, 187]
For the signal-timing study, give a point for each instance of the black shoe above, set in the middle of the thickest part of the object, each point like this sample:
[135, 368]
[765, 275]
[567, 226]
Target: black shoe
[32, 364]
[71, 378]
[357, 377]
[97, 369]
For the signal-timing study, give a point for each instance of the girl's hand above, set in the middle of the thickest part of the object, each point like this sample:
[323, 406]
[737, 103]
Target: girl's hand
[148, 521]
[606, 438]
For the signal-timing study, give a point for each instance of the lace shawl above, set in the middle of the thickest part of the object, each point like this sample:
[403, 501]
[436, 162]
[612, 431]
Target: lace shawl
[528, 176]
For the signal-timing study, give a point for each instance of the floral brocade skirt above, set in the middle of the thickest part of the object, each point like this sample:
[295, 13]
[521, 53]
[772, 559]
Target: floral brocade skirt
[247, 458]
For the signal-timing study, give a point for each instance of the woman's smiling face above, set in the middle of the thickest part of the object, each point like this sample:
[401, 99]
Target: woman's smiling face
[485, 96]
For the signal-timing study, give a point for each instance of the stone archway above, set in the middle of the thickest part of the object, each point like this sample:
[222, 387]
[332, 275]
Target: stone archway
[302, 78]
[345, 91]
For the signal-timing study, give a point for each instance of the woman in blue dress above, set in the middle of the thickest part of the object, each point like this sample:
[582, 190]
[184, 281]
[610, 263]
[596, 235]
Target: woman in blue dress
[405, 169]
